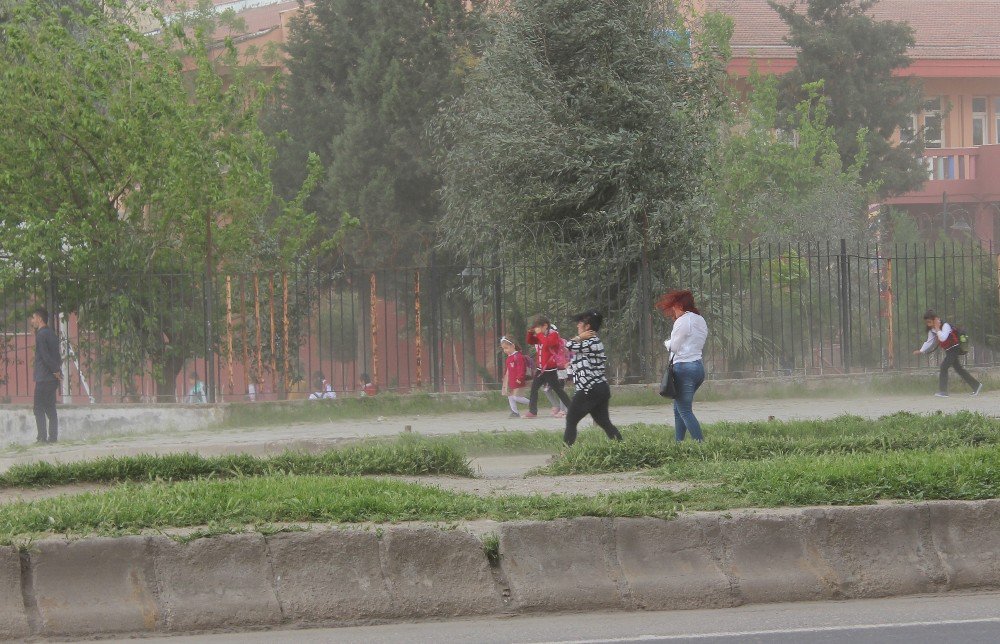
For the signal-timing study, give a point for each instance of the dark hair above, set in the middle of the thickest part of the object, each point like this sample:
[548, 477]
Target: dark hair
[681, 297]
[42, 313]
[541, 320]
[930, 314]
[592, 318]
[366, 378]
[194, 374]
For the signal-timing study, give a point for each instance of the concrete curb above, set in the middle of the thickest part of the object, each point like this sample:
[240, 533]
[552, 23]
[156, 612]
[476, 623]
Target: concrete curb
[347, 575]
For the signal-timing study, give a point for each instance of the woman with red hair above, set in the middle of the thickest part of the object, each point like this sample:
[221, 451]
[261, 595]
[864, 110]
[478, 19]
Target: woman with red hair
[687, 339]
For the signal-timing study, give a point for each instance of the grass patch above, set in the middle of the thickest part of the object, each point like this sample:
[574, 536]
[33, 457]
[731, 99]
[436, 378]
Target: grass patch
[280, 414]
[651, 446]
[542, 441]
[233, 504]
[222, 504]
[960, 474]
[404, 457]
[491, 548]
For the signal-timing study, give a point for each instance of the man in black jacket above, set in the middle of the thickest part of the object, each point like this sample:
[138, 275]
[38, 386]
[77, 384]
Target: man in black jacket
[48, 374]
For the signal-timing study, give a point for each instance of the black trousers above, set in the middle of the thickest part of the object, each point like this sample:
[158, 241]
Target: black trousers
[595, 403]
[951, 362]
[550, 378]
[45, 406]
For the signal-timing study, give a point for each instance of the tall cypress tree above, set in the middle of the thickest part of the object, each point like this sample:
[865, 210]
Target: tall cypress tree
[364, 80]
[857, 56]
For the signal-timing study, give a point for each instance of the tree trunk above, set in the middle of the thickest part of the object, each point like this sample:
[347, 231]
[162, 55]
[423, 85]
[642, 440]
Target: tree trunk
[166, 380]
[470, 364]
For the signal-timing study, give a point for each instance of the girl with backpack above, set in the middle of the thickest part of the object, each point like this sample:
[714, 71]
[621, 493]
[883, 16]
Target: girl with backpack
[516, 373]
[551, 345]
[945, 335]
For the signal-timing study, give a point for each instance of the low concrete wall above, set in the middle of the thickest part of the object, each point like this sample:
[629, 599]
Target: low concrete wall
[346, 576]
[83, 422]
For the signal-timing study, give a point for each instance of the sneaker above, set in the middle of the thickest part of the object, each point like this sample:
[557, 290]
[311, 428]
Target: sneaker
[560, 414]
[941, 394]
[529, 415]
[978, 389]
[514, 414]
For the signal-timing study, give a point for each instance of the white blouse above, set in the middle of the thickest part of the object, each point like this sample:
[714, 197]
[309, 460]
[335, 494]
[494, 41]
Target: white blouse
[687, 338]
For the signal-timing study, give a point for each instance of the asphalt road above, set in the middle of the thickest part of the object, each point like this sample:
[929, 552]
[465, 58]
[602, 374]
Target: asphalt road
[953, 618]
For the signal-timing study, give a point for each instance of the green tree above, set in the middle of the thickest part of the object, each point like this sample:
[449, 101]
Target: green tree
[787, 185]
[582, 142]
[118, 167]
[857, 57]
[364, 79]
[587, 114]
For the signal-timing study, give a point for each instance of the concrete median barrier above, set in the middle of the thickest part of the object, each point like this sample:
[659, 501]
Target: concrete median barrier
[13, 618]
[560, 565]
[222, 582]
[103, 586]
[673, 564]
[327, 574]
[966, 537]
[93, 586]
[877, 551]
[437, 573]
[770, 558]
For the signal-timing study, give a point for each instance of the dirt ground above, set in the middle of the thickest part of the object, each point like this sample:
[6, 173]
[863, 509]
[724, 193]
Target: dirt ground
[496, 475]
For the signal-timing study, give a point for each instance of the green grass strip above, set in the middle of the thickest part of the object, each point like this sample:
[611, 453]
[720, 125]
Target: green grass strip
[965, 473]
[651, 446]
[131, 508]
[957, 474]
[405, 458]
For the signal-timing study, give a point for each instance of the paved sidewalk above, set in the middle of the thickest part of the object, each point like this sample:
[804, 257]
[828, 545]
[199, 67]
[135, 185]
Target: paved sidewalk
[268, 440]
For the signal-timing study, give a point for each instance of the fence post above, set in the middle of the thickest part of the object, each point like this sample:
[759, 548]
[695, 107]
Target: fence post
[845, 306]
[645, 322]
[207, 308]
[435, 354]
[498, 319]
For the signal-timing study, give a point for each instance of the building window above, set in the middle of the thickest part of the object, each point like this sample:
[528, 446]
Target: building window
[996, 115]
[979, 120]
[933, 132]
[908, 133]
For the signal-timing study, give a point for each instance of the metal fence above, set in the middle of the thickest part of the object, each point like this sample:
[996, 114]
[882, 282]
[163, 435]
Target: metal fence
[808, 309]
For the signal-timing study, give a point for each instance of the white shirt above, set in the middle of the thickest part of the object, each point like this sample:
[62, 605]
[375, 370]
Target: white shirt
[934, 337]
[327, 394]
[687, 338]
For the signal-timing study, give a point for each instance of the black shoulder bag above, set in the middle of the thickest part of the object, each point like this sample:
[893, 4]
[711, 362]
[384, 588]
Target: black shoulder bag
[668, 384]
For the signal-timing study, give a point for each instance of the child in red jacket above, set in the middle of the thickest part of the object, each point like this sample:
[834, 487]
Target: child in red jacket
[515, 375]
[551, 345]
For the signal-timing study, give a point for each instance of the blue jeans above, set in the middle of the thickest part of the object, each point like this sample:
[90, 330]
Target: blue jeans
[689, 376]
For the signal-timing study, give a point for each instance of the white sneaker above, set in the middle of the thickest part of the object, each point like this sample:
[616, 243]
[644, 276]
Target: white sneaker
[941, 394]
[978, 389]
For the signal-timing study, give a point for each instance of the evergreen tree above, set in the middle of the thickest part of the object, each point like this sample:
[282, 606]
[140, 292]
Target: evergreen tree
[582, 142]
[856, 57]
[589, 115]
[364, 80]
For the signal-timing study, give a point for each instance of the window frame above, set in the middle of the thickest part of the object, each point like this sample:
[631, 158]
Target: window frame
[980, 117]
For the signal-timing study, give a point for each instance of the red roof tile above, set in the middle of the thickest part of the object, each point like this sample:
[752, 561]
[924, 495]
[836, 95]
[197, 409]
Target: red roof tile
[944, 29]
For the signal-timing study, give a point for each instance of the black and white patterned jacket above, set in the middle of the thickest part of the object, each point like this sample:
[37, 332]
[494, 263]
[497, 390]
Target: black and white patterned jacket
[589, 363]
